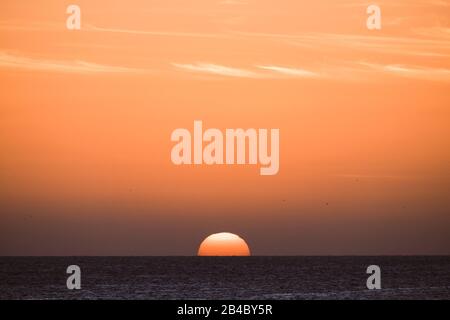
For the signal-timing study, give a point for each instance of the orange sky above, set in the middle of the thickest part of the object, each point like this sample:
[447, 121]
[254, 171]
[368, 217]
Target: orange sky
[86, 118]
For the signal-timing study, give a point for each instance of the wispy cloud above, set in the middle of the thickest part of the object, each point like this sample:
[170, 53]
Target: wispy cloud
[357, 69]
[265, 71]
[8, 60]
[422, 73]
[436, 42]
[288, 71]
[154, 33]
[407, 46]
[434, 32]
[216, 69]
[41, 26]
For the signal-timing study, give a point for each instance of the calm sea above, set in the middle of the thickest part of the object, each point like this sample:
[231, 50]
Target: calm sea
[418, 277]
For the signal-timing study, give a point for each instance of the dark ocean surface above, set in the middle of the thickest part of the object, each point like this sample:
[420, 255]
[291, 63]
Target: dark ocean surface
[411, 277]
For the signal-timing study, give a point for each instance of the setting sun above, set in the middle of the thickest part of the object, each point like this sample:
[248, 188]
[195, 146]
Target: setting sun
[223, 244]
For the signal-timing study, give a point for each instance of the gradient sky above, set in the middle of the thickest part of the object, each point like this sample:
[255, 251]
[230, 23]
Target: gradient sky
[86, 118]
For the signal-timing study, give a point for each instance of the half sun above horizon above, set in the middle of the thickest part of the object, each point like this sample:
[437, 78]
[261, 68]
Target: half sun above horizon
[223, 244]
